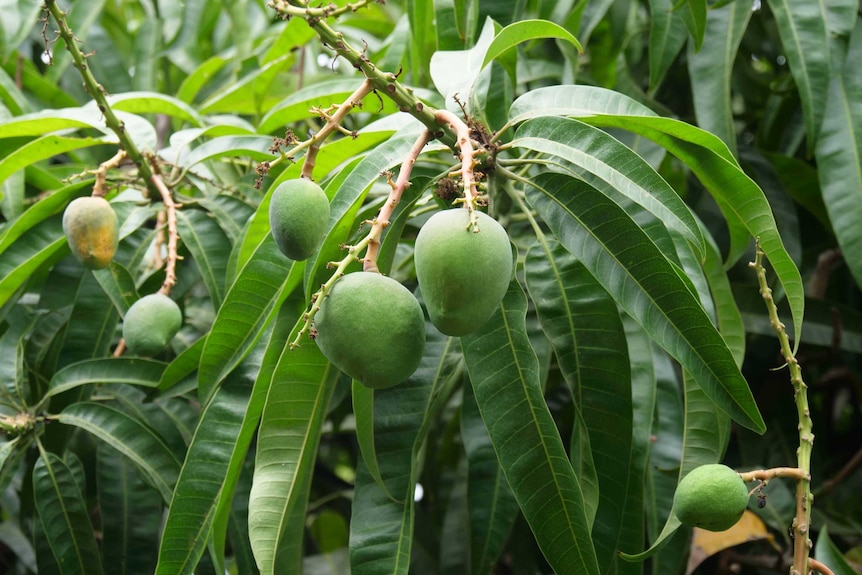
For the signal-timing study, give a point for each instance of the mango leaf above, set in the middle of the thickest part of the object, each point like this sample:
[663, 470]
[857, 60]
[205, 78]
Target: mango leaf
[667, 36]
[524, 31]
[209, 247]
[381, 525]
[64, 516]
[493, 508]
[710, 69]
[118, 284]
[131, 530]
[805, 40]
[583, 324]
[503, 370]
[129, 370]
[250, 304]
[155, 103]
[210, 469]
[363, 413]
[827, 553]
[633, 270]
[614, 164]
[43, 148]
[839, 155]
[43, 243]
[248, 95]
[290, 427]
[47, 121]
[741, 200]
[130, 437]
[693, 13]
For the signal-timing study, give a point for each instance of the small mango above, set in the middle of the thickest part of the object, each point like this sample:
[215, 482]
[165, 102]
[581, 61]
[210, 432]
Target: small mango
[371, 328]
[298, 216]
[92, 231]
[463, 274]
[151, 323]
[712, 497]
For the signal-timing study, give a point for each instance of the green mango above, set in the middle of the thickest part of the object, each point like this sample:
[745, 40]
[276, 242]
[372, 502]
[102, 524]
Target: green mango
[371, 328]
[151, 323]
[712, 497]
[298, 217]
[463, 274]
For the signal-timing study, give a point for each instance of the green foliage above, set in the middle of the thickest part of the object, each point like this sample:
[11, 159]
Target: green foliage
[612, 341]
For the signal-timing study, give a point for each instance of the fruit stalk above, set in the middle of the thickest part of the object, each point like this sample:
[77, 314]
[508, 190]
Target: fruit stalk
[468, 160]
[373, 235]
[767, 474]
[173, 235]
[98, 93]
[383, 82]
[379, 223]
[801, 523]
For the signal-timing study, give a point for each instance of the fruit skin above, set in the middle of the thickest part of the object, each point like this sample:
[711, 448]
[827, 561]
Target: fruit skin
[372, 328]
[463, 275]
[151, 323]
[92, 231]
[298, 216]
[712, 497]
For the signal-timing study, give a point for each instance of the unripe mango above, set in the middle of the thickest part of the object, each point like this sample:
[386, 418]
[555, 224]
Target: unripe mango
[712, 497]
[151, 323]
[298, 216]
[371, 328]
[463, 274]
[92, 231]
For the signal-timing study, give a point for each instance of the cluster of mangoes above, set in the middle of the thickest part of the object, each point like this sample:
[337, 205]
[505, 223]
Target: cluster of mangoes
[370, 326]
[92, 232]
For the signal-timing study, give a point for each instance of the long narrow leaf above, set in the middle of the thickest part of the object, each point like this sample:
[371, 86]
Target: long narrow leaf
[64, 517]
[504, 373]
[133, 371]
[621, 257]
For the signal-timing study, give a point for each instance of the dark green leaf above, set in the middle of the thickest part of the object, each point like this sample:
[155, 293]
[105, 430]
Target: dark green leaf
[209, 247]
[504, 373]
[133, 371]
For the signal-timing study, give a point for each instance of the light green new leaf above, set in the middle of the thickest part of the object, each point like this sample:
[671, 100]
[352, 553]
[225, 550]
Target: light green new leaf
[504, 373]
[639, 277]
[155, 103]
[805, 41]
[130, 530]
[614, 164]
[745, 207]
[64, 516]
[711, 67]
[493, 508]
[290, 427]
[130, 437]
[839, 156]
[130, 370]
[523, 31]
[583, 324]
[47, 121]
[209, 247]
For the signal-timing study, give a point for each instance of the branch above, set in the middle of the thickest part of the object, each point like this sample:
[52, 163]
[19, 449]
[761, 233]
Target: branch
[804, 499]
[382, 220]
[384, 83]
[468, 160]
[98, 94]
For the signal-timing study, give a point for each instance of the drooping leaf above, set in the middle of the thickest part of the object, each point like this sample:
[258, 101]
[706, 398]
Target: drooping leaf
[667, 36]
[805, 41]
[622, 258]
[131, 438]
[209, 247]
[504, 373]
[118, 284]
[839, 155]
[582, 322]
[64, 517]
[711, 66]
[741, 200]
